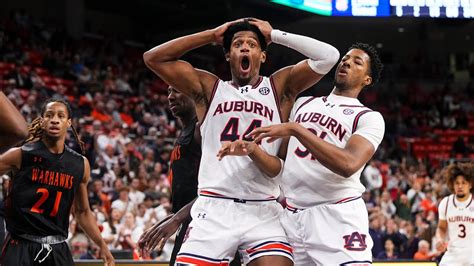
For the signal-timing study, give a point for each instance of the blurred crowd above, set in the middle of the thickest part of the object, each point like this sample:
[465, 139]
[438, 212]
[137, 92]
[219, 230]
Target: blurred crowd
[120, 111]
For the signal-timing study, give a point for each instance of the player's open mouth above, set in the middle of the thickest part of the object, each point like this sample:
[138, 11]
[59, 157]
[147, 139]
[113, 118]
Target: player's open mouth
[245, 64]
[342, 72]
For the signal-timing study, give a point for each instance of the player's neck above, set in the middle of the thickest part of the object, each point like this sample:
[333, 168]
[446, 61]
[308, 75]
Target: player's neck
[187, 119]
[240, 82]
[466, 197]
[54, 146]
[351, 93]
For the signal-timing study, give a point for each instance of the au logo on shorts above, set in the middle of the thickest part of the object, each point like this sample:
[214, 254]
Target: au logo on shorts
[355, 241]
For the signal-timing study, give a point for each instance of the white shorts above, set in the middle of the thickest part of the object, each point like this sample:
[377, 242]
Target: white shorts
[458, 257]
[220, 227]
[333, 234]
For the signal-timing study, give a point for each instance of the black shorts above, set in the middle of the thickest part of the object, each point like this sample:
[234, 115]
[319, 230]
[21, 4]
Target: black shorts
[17, 251]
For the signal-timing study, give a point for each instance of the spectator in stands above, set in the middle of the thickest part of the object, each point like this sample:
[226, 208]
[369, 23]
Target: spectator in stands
[389, 253]
[123, 203]
[410, 246]
[135, 195]
[110, 232]
[375, 231]
[386, 205]
[129, 232]
[391, 232]
[373, 177]
[423, 252]
[403, 208]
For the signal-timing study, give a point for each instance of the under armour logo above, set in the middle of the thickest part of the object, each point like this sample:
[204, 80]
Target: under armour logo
[244, 89]
[201, 215]
[330, 105]
[351, 240]
[37, 159]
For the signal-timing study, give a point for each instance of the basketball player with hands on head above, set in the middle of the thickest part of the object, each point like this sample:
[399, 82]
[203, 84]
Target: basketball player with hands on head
[326, 145]
[48, 179]
[456, 216]
[236, 208]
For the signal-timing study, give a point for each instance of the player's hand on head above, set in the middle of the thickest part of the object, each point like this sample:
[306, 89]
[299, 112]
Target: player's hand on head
[236, 148]
[264, 27]
[219, 31]
[273, 132]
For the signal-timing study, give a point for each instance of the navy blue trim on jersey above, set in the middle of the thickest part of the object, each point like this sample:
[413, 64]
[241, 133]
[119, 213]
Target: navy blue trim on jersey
[304, 103]
[277, 99]
[356, 120]
[348, 263]
[213, 93]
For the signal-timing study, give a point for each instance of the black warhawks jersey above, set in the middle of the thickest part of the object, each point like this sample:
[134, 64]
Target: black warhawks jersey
[42, 191]
[184, 168]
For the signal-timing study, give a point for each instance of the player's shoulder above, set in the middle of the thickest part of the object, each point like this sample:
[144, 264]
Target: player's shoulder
[74, 153]
[31, 146]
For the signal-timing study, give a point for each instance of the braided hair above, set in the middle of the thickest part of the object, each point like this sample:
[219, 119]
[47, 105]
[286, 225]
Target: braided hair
[36, 132]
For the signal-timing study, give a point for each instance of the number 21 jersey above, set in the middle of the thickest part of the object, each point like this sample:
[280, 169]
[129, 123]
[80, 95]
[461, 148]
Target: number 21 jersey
[42, 191]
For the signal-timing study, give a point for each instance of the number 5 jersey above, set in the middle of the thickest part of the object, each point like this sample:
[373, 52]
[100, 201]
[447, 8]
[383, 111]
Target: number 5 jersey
[42, 191]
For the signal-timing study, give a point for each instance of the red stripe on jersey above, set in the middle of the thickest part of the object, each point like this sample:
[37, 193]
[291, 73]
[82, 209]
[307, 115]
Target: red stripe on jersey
[271, 246]
[196, 261]
[206, 192]
[345, 199]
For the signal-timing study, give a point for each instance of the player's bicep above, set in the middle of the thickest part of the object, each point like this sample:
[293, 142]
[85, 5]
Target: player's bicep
[183, 77]
[292, 80]
[81, 200]
[10, 160]
[361, 150]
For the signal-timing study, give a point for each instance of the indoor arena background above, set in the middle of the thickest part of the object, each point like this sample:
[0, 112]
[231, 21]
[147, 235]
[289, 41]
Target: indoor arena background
[90, 52]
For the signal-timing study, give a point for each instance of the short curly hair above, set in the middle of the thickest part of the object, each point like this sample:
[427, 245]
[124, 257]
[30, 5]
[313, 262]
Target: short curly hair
[376, 65]
[452, 171]
[242, 26]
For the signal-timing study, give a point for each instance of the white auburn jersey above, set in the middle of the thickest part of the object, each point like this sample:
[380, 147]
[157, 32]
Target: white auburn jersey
[232, 114]
[460, 218]
[333, 118]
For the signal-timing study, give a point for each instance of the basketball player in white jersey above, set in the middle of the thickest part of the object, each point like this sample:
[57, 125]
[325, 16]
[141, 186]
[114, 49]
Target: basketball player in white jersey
[327, 143]
[456, 217]
[236, 207]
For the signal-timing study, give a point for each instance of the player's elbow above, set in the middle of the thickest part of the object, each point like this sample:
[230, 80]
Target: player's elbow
[18, 133]
[333, 56]
[348, 169]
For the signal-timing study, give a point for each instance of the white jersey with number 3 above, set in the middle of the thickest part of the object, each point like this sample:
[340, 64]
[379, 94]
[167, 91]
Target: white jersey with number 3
[460, 218]
[306, 182]
[233, 113]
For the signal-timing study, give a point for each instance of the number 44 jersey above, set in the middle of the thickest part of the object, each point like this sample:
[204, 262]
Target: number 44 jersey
[233, 113]
[42, 191]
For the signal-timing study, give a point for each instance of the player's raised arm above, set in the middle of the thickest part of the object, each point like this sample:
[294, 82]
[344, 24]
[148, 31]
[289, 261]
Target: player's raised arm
[292, 80]
[13, 128]
[164, 61]
[86, 219]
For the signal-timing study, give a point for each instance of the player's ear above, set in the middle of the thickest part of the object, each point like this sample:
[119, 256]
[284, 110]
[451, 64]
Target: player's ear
[367, 80]
[263, 57]
[69, 123]
[227, 56]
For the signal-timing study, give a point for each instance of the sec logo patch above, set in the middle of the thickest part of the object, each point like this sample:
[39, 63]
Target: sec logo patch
[264, 90]
[348, 111]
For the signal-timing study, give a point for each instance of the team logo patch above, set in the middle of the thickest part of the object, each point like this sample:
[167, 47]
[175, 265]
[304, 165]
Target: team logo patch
[348, 111]
[264, 90]
[355, 242]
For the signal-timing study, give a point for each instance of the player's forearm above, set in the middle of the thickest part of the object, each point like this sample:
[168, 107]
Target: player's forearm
[174, 49]
[184, 213]
[441, 233]
[332, 157]
[14, 128]
[89, 224]
[322, 56]
[270, 165]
